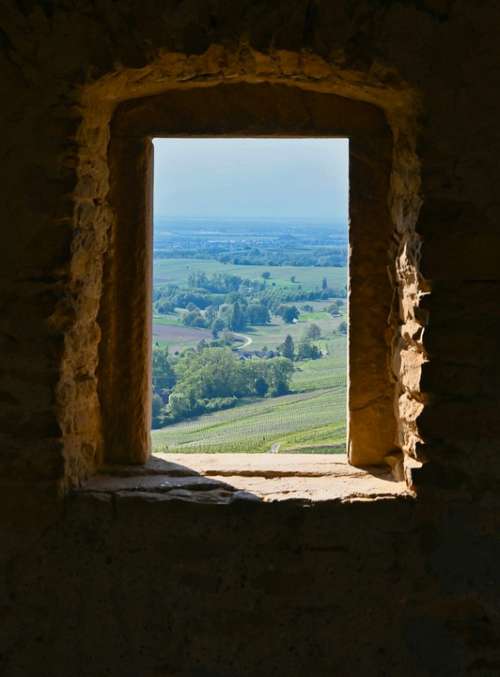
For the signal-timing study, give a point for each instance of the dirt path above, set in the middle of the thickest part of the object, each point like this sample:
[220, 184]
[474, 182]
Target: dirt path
[248, 341]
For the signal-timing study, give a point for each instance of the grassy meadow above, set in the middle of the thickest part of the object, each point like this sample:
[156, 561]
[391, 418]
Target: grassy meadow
[311, 422]
[312, 417]
[177, 271]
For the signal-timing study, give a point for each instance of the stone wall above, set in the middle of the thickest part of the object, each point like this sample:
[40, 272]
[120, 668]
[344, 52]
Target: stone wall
[95, 586]
[265, 109]
[364, 588]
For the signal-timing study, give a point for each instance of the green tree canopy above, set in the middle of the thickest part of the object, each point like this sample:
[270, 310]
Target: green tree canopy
[214, 377]
[288, 313]
[313, 332]
[308, 351]
[163, 373]
[287, 348]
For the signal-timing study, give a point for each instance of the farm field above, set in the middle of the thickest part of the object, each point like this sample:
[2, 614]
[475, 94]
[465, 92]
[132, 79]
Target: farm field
[169, 332]
[204, 306]
[300, 423]
[177, 271]
[310, 420]
[272, 335]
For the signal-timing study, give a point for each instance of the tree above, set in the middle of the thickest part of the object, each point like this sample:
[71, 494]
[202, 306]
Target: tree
[292, 278]
[179, 405]
[257, 313]
[210, 314]
[217, 326]
[201, 345]
[278, 373]
[237, 321]
[163, 374]
[194, 319]
[261, 386]
[343, 328]
[313, 332]
[214, 372]
[225, 314]
[266, 275]
[157, 410]
[290, 314]
[308, 351]
[214, 378]
[287, 348]
[164, 307]
[324, 283]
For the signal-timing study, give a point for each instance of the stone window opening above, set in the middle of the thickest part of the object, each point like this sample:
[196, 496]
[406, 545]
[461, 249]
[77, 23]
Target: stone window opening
[250, 110]
[271, 213]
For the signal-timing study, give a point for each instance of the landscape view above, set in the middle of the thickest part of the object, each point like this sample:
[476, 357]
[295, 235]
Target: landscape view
[250, 309]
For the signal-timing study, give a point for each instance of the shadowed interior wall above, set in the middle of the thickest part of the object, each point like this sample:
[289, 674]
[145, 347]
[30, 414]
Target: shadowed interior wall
[136, 584]
[242, 109]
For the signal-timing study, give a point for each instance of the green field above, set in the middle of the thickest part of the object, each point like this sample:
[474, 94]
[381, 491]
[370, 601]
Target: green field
[310, 420]
[169, 320]
[268, 336]
[177, 271]
[273, 334]
[305, 422]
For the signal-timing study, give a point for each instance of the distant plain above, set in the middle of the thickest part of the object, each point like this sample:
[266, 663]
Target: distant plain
[311, 419]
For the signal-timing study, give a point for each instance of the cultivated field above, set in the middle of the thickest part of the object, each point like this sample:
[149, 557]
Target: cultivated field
[312, 419]
[177, 271]
[168, 331]
[272, 335]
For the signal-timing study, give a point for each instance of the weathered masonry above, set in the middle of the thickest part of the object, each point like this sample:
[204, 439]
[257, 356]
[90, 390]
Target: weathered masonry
[237, 110]
[163, 570]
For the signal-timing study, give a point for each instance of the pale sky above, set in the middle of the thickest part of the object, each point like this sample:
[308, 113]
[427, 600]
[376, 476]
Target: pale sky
[269, 178]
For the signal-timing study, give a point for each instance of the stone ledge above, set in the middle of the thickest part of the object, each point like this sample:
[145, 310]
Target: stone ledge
[226, 478]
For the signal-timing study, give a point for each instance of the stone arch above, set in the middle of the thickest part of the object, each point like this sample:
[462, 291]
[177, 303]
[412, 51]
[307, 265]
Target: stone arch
[79, 403]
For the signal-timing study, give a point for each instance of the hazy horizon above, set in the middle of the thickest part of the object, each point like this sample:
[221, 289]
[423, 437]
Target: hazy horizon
[239, 217]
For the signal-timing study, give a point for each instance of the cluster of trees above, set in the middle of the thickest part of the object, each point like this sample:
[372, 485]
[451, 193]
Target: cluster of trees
[232, 316]
[241, 313]
[211, 379]
[224, 301]
[288, 313]
[274, 296]
[306, 349]
[265, 253]
[321, 256]
[335, 308]
[209, 292]
[223, 283]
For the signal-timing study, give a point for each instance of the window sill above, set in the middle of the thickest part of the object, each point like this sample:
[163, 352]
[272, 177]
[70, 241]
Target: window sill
[227, 478]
